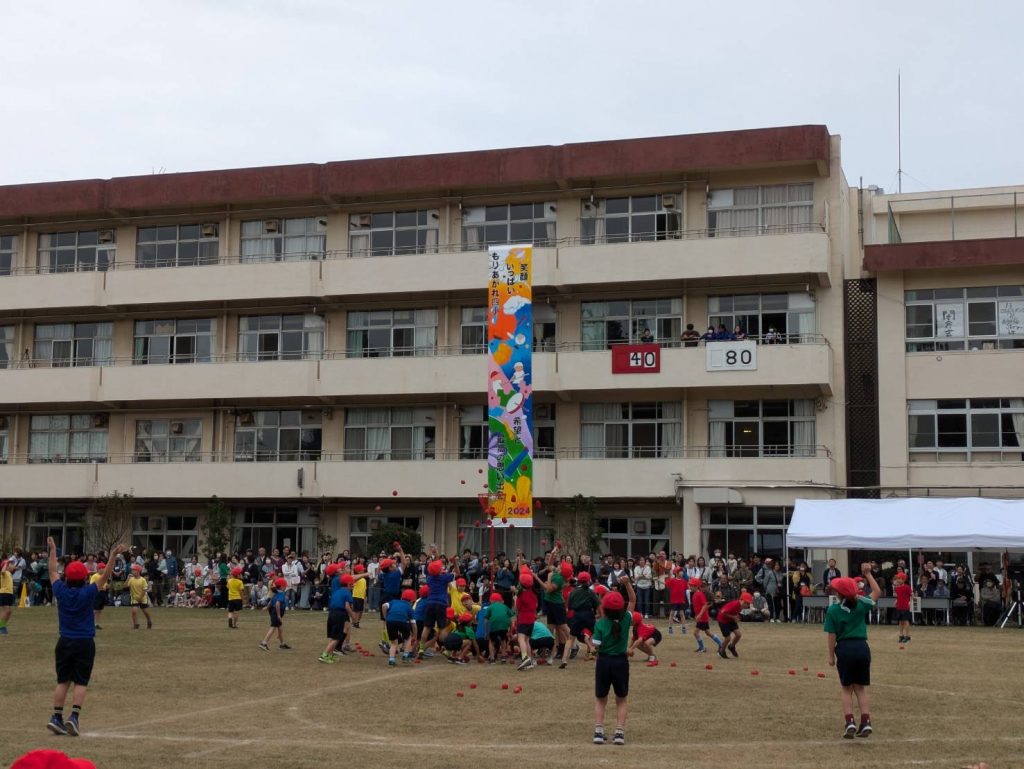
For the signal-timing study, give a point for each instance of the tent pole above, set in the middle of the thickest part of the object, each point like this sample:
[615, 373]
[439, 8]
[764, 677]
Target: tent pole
[785, 554]
[910, 566]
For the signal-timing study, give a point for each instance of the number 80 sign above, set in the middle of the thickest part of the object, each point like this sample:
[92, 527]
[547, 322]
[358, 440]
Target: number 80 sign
[731, 356]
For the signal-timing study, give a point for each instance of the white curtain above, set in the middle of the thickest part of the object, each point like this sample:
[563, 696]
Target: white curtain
[1018, 419]
[716, 439]
[103, 344]
[425, 339]
[593, 417]
[259, 249]
[671, 429]
[803, 430]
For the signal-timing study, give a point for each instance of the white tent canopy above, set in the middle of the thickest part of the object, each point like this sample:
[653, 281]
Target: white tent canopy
[921, 523]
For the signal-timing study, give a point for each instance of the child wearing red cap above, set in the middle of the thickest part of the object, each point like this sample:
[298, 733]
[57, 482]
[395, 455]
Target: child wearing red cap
[729, 624]
[439, 585]
[398, 621]
[339, 616]
[554, 603]
[611, 637]
[76, 647]
[235, 588]
[526, 615]
[645, 638]
[276, 608]
[138, 591]
[499, 620]
[6, 593]
[51, 759]
[584, 603]
[903, 593]
[701, 615]
[676, 585]
[848, 651]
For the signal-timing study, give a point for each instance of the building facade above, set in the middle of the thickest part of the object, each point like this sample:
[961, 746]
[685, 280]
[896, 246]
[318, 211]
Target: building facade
[306, 343]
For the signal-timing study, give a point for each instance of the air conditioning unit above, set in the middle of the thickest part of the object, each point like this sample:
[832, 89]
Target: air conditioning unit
[359, 221]
[271, 226]
[208, 230]
[100, 420]
[720, 199]
[177, 428]
[668, 201]
[106, 236]
[245, 418]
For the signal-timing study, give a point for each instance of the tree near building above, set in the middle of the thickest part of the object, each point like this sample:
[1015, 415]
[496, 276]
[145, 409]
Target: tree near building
[383, 540]
[576, 526]
[109, 522]
[216, 528]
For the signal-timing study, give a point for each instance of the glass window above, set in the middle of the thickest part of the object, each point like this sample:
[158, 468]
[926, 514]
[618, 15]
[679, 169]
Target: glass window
[522, 223]
[977, 318]
[177, 245]
[631, 219]
[474, 330]
[72, 344]
[79, 251]
[8, 253]
[168, 440]
[544, 430]
[278, 436]
[284, 240]
[389, 433]
[6, 346]
[280, 337]
[770, 318]
[392, 333]
[64, 524]
[633, 537]
[393, 233]
[958, 427]
[783, 428]
[608, 323]
[631, 430]
[177, 533]
[363, 527]
[744, 530]
[276, 527]
[761, 210]
[61, 438]
[190, 340]
[474, 432]
[4, 427]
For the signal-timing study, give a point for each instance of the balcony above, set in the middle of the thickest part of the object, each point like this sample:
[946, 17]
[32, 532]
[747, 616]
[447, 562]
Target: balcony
[456, 480]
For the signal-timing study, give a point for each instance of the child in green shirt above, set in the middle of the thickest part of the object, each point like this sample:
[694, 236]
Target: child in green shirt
[611, 638]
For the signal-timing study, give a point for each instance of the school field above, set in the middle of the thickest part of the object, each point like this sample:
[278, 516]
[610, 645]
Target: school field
[192, 692]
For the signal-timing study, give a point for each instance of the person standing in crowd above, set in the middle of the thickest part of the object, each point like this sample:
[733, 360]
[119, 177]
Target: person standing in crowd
[171, 571]
[848, 651]
[903, 593]
[611, 638]
[643, 582]
[6, 593]
[831, 572]
[76, 648]
[19, 567]
[138, 592]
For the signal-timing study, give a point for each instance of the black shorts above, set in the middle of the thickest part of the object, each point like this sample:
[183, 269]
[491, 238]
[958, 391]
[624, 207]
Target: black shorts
[655, 638]
[853, 662]
[580, 621]
[612, 672]
[6, 599]
[140, 605]
[904, 615]
[498, 637]
[74, 658]
[435, 615]
[100, 602]
[337, 619]
[274, 621]
[555, 612]
[453, 642]
[525, 628]
[727, 628]
[399, 631]
[358, 604]
[542, 643]
[705, 626]
[677, 606]
[235, 605]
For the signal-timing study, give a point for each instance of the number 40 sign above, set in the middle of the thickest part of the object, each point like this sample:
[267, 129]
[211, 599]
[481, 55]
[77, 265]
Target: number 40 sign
[636, 359]
[731, 356]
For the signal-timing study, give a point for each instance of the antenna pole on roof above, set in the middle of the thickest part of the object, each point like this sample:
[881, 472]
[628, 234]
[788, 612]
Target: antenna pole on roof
[899, 132]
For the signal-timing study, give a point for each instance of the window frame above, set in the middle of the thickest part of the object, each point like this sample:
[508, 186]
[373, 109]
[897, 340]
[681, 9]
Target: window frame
[365, 226]
[421, 426]
[966, 298]
[631, 209]
[473, 320]
[251, 423]
[314, 228]
[798, 304]
[142, 354]
[732, 449]
[94, 426]
[754, 531]
[8, 254]
[481, 225]
[7, 351]
[795, 208]
[52, 257]
[43, 346]
[361, 322]
[311, 327]
[630, 449]
[174, 449]
[634, 318]
[921, 409]
[208, 244]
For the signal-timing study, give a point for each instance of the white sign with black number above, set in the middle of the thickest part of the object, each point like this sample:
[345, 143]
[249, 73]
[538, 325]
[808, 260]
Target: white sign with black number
[731, 356]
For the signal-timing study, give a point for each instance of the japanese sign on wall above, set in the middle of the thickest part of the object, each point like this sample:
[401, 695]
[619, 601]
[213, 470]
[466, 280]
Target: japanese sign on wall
[509, 384]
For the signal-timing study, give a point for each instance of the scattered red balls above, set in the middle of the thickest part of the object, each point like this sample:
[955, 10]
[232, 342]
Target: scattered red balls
[517, 690]
[821, 675]
[792, 672]
[755, 672]
[459, 694]
[472, 685]
[709, 666]
[504, 686]
[671, 664]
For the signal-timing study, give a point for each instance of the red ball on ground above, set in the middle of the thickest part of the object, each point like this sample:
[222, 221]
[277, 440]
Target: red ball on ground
[755, 672]
[806, 669]
[517, 690]
[708, 666]
[902, 647]
[821, 675]
[417, 661]
[792, 672]
[472, 685]
[459, 694]
[671, 664]
[504, 686]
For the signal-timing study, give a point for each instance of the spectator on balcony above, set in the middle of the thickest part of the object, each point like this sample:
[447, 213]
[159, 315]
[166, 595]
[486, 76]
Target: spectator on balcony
[690, 337]
[738, 333]
[722, 334]
[709, 335]
[772, 336]
[646, 337]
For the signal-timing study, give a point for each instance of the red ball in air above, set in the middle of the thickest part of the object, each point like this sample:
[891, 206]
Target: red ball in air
[462, 535]
[394, 493]
[462, 482]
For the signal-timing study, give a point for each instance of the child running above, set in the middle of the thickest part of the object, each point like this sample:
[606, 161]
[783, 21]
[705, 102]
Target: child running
[676, 586]
[701, 615]
[848, 650]
[339, 615]
[76, 647]
[276, 609]
[358, 593]
[729, 624]
[903, 593]
[235, 588]
[138, 590]
[398, 618]
[645, 638]
[6, 594]
[526, 615]
[611, 637]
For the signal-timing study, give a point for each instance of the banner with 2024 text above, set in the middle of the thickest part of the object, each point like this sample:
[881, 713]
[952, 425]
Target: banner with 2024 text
[510, 384]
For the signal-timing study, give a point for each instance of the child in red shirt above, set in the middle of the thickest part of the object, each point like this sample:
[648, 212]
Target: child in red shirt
[526, 615]
[903, 593]
[645, 638]
[676, 596]
[701, 615]
[729, 624]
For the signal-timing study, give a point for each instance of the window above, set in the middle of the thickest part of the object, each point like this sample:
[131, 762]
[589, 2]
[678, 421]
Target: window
[484, 226]
[4, 421]
[280, 527]
[64, 524]
[624, 321]
[633, 537]
[745, 530]
[982, 318]
[81, 251]
[277, 436]
[761, 210]
[393, 233]
[790, 316]
[73, 344]
[6, 346]
[177, 533]
[761, 428]
[284, 240]
[280, 337]
[544, 430]
[478, 537]
[60, 438]
[174, 341]
[387, 333]
[8, 253]
[363, 527]
[389, 433]
[631, 430]
[474, 432]
[168, 440]
[474, 330]
[631, 219]
[177, 245]
[967, 428]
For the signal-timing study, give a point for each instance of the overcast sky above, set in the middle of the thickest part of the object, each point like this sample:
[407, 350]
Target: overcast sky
[122, 87]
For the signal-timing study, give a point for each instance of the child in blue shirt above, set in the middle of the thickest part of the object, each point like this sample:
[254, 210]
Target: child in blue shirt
[339, 616]
[398, 624]
[276, 608]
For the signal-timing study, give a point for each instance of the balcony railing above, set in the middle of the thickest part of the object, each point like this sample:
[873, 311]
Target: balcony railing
[1002, 211]
[594, 237]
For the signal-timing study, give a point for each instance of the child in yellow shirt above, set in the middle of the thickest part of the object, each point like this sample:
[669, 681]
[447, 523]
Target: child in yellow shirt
[6, 594]
[138, 589]
[235, 588]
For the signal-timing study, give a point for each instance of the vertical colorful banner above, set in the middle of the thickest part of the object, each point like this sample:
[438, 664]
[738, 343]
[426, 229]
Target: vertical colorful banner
[510, 384]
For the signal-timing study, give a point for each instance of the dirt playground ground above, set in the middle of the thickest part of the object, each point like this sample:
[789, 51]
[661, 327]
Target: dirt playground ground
[193, 693]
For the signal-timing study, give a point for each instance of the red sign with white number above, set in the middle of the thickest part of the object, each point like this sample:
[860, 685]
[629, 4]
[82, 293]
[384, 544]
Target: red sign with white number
[636, 359]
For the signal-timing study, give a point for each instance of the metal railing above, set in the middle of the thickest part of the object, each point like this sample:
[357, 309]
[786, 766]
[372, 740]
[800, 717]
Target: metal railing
[1010, 225]
[700, 233]
[964, 455]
